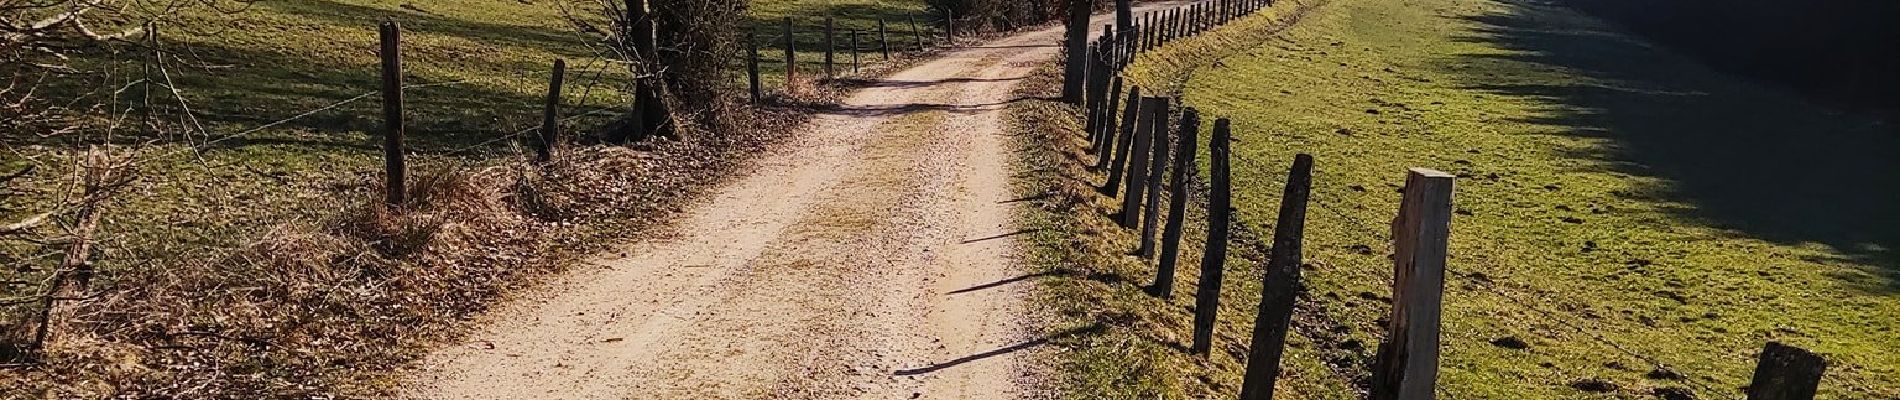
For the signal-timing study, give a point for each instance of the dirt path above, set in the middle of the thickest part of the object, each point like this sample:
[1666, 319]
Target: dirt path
[872, 260]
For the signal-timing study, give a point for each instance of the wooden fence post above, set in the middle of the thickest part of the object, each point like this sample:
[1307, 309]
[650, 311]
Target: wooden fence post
[1184, 165]
[791, 58]
[855, 61]
[1152, 211]
[1280, 285]
[831, 46]
[915, 33]
[1786, 373]
[949, 26]
[1157, 165]
[1407, 363]
[883, 39]
[752, 65]
[1114, 103]
[1112, 140]
[1091, 88]
[1076, 39]
[1152, 32]
[394, 169]
[1157, 120]
[1220, 215]
[550, 115]
[1174, 23]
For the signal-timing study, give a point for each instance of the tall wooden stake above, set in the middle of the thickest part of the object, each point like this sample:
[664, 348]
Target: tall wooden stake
[831, 45]
[752, 66]
[1075, 69]
[791, 58]
[1158, 164]
[1177, 203]
[1108, 128]
[1280, 285]
[915, 33]
[1115, 149]
[551, 115]
[1407, 363]
[883, 39]
[1220, 215]
[1157, 120]
[394, 168]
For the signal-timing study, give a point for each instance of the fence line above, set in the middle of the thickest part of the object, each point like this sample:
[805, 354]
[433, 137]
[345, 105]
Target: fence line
[1406, 364]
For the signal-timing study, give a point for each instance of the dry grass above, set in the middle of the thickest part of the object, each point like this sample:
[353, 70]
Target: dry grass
[331, 306]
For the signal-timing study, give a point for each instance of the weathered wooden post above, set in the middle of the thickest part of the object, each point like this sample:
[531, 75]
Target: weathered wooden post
[949, 26]
[1148, 31]
[752, 65]
[1407, 363]
[394, 168]
[1174, 23]
[1200, 18]
[1220, 215]
[1117, 148]
[550, 115]
[1114, 103]
[791, 58]
[1177, 203]
[1786, 373]
[1075, 71]
[1280, 285]
[915, 33]
[883, 39]
[831, 46]
[1114, 149]
[1124, 15]
[1158, 164]
[1157, 120]
[1091, 88]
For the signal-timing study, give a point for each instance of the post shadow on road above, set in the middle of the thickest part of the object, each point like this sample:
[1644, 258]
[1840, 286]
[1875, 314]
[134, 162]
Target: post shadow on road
[1092, 329]
[1742, 156]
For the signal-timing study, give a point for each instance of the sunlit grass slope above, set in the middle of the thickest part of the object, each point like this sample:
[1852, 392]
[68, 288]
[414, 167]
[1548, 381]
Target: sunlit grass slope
[1604, 183]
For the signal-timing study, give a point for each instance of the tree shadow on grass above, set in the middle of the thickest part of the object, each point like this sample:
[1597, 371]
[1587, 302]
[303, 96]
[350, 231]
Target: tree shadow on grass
[568, 43]
[1742, 156]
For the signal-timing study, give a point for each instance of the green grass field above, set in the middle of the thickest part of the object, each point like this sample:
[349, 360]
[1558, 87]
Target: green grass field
[1605, 184]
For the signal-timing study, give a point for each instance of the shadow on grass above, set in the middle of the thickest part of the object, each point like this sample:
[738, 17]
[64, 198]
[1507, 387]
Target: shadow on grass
[568, 43]
[1739, 156]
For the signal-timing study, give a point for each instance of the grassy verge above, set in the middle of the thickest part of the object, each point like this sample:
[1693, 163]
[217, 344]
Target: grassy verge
[1603, 180]
[1617, 208]
[1612, 211]
[261, 265]
[1120, 341]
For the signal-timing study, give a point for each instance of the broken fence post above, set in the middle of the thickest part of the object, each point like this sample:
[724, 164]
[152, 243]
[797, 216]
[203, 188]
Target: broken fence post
[1407, 363]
